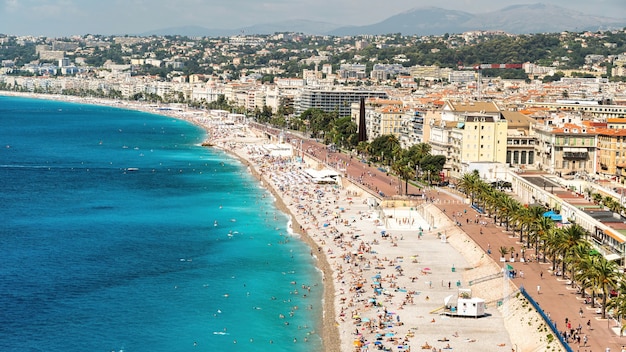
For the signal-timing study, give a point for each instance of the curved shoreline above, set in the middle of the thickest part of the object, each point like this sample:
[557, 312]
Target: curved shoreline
[328, 325]
[333, 333]
[330, 332]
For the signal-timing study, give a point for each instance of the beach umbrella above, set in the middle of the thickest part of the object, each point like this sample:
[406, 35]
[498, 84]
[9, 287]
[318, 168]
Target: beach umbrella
[378, 343]
[390, 334]
[426, 269]
[365, 320]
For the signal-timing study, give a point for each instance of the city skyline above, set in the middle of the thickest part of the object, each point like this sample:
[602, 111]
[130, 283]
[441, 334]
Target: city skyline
[71, 17]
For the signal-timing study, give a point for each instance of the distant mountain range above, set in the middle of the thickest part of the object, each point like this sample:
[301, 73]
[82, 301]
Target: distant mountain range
[516, 19]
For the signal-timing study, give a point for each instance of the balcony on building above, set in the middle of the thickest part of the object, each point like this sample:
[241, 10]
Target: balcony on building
[575, 153]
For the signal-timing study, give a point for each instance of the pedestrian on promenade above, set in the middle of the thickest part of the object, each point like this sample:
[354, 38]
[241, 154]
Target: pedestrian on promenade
[589, 324]
[541, 274]
[538, 289]
[580, 311]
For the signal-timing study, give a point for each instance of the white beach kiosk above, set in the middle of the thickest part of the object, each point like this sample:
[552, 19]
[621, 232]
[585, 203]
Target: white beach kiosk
[464, 305]
[324, 176]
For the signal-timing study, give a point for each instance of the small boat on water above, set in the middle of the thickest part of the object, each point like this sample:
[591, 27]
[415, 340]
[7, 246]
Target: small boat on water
[132, 169]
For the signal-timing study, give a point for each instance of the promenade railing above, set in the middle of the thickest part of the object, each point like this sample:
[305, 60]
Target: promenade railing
[546, 319]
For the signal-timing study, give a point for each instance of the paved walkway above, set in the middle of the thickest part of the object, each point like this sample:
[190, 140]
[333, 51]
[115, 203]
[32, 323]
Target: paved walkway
[557, 299]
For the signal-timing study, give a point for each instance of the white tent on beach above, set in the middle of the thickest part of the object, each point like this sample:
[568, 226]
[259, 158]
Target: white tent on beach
[323, 176]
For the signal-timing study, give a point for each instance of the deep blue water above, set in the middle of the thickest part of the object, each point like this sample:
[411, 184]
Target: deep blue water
[187, 249]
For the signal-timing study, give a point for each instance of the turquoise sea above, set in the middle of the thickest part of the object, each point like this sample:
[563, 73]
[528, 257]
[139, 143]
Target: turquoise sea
[120, 232]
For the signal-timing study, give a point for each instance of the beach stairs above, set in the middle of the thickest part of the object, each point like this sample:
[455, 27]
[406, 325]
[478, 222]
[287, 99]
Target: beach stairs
[485, 278]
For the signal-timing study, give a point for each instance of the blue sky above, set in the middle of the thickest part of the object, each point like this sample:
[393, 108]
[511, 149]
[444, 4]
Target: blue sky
[68, 17]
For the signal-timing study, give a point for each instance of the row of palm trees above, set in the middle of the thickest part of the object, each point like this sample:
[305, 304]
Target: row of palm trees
[567, 247]
[607, 201]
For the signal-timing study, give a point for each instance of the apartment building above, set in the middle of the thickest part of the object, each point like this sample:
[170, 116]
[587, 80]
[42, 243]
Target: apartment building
[332, 99]
[445, 139]
[456, 110]
[566, 149]
[590, 108]
[612, 152]
[520, 141]
[385, 120]
[412, 128]
[484, 139]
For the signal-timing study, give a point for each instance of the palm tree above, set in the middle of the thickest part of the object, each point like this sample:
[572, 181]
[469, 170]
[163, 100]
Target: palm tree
[607, 276]
[529, 217]
[543, 229]
[503, 251]
[607, 201]
[576, 258]
[363, 148]
[597, 198]
[510, 208]
[518, 220]
[469, 184]
[585, 275]
[618, 306]
[552, 246]
[573, 245]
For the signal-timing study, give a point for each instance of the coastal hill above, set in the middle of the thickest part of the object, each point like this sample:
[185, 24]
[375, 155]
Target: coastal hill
[516, 19]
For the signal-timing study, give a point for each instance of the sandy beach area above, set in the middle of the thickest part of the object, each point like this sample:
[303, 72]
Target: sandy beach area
[387, 271]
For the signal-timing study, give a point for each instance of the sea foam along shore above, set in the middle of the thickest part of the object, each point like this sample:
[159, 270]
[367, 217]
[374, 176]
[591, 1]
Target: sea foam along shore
[344, 233]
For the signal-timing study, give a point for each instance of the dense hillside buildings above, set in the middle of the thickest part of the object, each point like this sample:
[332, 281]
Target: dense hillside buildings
[569, 125]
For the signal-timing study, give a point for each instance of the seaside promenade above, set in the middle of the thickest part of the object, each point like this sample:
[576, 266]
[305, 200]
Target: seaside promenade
[558, 299]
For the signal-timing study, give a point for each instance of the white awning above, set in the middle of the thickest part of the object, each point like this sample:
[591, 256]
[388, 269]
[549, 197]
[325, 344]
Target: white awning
[612, 256]
[574, 150]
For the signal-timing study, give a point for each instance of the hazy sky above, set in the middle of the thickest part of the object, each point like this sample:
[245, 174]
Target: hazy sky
[67, 17]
